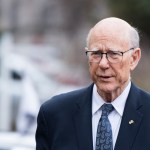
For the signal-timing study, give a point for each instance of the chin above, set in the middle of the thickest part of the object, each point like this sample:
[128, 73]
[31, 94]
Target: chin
[107, 88]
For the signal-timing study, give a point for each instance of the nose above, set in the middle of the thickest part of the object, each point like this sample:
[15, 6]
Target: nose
[104, 63]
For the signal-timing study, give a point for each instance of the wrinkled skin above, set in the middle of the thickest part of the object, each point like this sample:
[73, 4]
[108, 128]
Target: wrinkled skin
[111, 79]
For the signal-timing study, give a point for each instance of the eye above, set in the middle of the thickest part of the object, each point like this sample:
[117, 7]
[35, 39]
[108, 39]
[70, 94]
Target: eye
[114, 55]
[96, 53]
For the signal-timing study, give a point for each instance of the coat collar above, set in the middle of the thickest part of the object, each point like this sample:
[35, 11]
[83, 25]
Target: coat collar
[131, 120]
[83, 120]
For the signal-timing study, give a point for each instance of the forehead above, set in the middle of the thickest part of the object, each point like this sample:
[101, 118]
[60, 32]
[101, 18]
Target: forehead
[108, 41]
[109, 36]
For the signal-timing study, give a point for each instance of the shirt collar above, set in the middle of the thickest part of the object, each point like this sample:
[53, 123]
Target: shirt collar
[118, 103]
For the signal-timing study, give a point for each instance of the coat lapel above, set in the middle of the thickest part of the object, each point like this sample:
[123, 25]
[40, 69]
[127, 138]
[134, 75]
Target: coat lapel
[131, 120]
[83, 120]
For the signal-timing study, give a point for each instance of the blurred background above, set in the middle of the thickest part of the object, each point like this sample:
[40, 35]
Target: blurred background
[42, 54]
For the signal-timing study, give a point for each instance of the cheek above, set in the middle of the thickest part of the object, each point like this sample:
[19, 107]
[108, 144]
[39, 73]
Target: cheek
[92, 69]
[123, 73]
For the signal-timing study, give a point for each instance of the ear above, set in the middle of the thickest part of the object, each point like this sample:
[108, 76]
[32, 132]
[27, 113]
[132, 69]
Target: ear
[136, 55]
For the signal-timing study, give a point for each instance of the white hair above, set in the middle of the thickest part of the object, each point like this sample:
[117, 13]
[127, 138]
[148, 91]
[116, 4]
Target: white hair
[134, 38]
[88, 37]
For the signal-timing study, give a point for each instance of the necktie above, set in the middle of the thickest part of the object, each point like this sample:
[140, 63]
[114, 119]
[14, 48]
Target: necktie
[104, 131]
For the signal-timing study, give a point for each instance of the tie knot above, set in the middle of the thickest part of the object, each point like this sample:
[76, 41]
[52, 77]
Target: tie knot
[106, 109]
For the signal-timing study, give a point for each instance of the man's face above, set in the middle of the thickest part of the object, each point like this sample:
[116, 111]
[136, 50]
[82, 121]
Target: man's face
[110, 77]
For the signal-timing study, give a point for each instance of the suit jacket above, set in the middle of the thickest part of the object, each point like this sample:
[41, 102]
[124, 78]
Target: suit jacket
[65, 122]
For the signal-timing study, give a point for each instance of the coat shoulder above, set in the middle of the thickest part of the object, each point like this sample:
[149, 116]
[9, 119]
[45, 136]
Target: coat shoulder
[67, 100]
[145, 96]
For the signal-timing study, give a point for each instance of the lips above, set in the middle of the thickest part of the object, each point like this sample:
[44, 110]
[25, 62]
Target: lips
[105, 77]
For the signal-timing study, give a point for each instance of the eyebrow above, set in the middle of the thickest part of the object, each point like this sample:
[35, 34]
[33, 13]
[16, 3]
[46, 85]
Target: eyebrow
[109, 50]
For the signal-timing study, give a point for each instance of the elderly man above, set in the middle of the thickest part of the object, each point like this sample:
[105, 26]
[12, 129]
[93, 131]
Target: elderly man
[110, 114]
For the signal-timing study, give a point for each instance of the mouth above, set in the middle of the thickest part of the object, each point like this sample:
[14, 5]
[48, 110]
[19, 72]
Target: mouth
[105, 78]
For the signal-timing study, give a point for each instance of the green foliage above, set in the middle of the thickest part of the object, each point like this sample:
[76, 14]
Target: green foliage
[136, 12]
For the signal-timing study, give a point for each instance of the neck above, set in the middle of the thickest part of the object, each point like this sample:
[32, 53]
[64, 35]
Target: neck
[111, 96]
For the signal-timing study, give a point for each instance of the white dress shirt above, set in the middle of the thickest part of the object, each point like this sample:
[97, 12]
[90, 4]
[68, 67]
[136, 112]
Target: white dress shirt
[114, 117]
